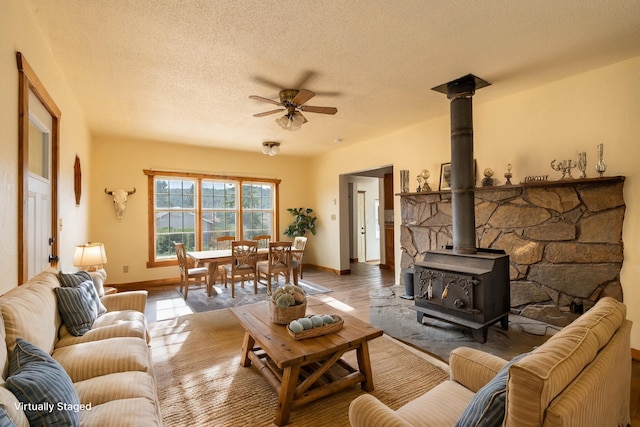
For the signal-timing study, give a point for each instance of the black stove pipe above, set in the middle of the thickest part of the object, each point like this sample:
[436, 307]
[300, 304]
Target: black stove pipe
[460, 92]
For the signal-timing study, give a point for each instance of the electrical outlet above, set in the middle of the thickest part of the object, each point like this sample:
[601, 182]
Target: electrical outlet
[333, 217]
[125, 268]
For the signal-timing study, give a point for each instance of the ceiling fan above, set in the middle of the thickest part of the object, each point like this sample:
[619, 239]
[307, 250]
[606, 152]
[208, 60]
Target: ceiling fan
[293, 101]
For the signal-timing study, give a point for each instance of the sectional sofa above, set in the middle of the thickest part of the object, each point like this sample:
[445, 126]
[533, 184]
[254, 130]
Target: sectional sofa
[99, 373]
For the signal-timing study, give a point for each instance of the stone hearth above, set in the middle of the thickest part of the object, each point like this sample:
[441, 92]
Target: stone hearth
[564, 240]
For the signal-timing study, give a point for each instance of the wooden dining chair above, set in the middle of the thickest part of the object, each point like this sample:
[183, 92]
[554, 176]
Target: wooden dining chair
[244, 255]
[188, 273]
[263, 240]
[297, 253]
[279, 262]
[224, 242]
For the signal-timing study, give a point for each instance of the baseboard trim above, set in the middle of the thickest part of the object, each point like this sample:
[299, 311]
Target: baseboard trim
[134, 286]
[149, 284]
[329, 270]
[635, 354]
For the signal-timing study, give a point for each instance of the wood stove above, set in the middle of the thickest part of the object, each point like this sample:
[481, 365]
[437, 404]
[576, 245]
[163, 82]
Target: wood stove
[463, 285]
[465, 289]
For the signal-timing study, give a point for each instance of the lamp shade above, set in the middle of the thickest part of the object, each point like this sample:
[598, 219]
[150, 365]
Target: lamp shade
[91, 256]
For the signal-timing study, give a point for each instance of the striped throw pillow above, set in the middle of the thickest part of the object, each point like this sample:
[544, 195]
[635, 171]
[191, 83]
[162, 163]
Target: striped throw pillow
[74, 279]
[77, 308]
[487, 407]
[5, 421]
[43, 387]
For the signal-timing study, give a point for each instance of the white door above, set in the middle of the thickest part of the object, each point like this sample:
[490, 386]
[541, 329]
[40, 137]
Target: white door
[39, 184]
[362, 227]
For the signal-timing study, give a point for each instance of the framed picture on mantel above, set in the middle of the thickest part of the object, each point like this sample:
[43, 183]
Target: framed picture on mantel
[445, 177]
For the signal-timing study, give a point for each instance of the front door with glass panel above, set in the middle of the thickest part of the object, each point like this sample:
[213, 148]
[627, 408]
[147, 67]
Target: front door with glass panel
[39, 185]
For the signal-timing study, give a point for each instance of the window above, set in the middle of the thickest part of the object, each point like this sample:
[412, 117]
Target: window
[197, 209]
[219, 211]
[175, 215]
[257, 210]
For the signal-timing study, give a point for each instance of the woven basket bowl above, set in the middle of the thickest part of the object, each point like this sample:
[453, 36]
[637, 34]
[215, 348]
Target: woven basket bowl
[317, 331]
[283, 316]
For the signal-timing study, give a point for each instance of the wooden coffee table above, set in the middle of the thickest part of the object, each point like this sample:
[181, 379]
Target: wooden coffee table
[302, 371]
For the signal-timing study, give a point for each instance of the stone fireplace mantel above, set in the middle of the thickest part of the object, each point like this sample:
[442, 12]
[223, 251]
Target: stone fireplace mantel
[564, 239]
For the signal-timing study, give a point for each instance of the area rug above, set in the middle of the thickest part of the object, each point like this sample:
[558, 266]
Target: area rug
[199, 302]
[201, 383]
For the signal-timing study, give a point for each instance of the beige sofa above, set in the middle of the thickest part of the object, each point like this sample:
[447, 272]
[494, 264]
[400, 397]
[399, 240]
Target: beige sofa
[110, 366]
[579, 377]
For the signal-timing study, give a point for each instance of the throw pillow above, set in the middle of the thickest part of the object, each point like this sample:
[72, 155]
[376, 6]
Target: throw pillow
[74, 279]
[77, 308]
[43, 387]
[5, 421]
[487, 407]
[99, 276]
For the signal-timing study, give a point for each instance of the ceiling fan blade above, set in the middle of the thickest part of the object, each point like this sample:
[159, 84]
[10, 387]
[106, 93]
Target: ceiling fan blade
[266, 113]
[270, 101]
[267, 82]
[304, 78]
[322, 110]
[299, 114]
[302, 96]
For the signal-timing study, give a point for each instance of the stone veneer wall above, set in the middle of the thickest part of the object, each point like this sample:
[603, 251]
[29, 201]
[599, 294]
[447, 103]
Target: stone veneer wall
[564, 240]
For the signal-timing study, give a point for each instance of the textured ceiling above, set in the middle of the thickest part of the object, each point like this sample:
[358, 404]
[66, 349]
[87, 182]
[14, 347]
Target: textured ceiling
[183, 70]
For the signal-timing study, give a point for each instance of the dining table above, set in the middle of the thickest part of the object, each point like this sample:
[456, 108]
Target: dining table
[214, 258]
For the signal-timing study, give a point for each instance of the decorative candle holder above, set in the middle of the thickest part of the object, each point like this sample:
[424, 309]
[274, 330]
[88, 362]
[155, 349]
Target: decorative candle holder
[582, 164]
[404, 180]
[508, 175]
[601, 167]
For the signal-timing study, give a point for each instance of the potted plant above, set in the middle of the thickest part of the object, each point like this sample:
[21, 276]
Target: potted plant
[303, 221]
[287, 303]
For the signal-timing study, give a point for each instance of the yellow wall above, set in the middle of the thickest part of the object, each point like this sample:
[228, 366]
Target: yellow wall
[18, 32]
[528, 130]
[119, 163]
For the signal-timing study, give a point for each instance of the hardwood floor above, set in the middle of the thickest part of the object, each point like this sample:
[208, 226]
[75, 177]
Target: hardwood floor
[352, 290]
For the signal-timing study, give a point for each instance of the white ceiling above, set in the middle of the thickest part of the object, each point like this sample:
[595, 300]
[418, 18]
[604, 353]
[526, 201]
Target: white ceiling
[182, 70]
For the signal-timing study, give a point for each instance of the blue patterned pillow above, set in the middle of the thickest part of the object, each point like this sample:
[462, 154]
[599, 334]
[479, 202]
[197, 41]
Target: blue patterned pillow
[77, 308]
[74, 279]
[487, 407]
[43, 387]
[5, 421]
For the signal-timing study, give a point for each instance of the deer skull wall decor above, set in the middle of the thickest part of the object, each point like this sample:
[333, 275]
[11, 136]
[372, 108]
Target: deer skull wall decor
[120, 199]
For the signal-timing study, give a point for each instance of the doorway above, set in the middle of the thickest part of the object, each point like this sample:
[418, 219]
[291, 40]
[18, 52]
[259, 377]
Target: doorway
[363, 218]
[38, 163]
[361, 226]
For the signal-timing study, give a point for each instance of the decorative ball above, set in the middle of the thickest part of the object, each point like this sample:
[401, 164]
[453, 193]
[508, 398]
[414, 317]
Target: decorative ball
[317, 321]
[327, 319]
[305, 322]
[296, 326]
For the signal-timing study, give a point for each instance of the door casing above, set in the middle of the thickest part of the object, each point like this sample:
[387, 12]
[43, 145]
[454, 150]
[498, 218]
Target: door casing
[29, 82]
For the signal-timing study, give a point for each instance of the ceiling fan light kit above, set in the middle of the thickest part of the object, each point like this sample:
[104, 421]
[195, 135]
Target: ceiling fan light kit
[270, 148]
[290, 121]
[292, 100]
